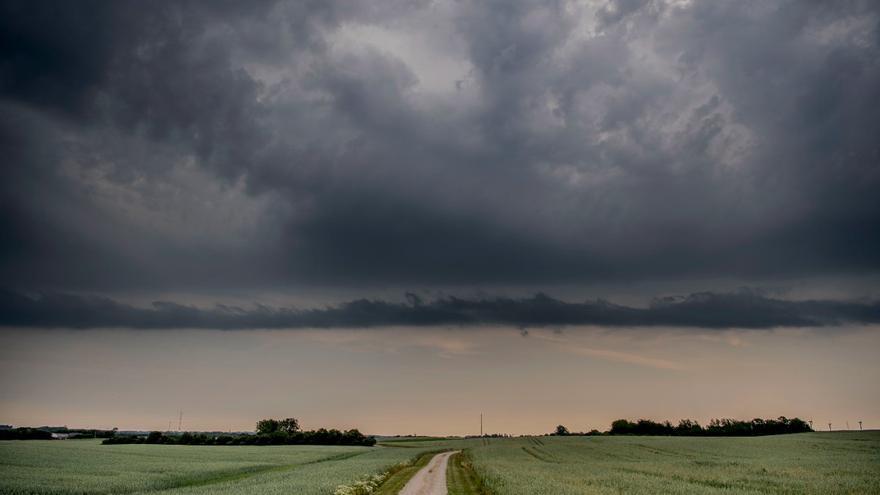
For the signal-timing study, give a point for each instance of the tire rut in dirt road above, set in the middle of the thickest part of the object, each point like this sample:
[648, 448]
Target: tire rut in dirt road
[431, 479]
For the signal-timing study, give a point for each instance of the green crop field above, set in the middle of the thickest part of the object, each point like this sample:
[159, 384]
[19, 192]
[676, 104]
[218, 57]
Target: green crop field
[86, 467]
[809, 463]
[812, 463]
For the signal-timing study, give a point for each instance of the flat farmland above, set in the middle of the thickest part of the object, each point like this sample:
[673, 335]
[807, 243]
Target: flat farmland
[811, 463]
[87, 467]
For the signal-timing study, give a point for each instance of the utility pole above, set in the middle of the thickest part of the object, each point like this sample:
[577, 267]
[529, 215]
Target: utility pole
[829, 426]
[481, 424]
[180, 420]
[847, 425]
[860, 425]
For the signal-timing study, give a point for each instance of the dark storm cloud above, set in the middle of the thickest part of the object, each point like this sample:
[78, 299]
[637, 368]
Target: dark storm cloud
[704, 310]
[209, 145]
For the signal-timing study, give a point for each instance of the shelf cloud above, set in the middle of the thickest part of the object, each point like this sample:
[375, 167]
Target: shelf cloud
[744, 309]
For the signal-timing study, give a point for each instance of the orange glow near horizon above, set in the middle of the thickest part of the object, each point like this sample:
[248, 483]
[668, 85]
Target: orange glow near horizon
[435, 381]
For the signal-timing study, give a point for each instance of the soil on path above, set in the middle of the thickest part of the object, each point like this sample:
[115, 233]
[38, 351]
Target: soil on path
[431, 479]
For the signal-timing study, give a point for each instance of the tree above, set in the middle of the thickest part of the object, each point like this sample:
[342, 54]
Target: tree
[688, 427]
[289, 425]
[622, 427]
[561, 430]
[267, 426]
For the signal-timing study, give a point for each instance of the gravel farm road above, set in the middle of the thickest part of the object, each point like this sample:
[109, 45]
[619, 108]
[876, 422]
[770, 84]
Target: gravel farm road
[431, 479]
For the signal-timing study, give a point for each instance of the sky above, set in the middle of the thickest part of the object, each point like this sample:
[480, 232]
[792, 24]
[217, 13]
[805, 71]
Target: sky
[395, 215]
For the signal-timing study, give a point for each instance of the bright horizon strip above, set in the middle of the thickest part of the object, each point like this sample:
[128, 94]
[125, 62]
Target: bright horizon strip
[435, 381]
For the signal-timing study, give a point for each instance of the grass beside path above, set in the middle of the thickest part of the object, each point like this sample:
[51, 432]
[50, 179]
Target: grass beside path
[399, 478]
[461, 479]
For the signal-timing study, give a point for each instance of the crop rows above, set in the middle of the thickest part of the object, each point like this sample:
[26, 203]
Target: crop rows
[812, 463]
[85, 467]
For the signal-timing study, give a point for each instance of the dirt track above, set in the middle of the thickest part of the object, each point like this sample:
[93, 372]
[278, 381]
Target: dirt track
[431, 479]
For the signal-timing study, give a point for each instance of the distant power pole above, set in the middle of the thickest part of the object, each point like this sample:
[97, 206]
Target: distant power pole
[481, 424]
[847, 425]
[180, 420]
[829, 426]
[860, 425]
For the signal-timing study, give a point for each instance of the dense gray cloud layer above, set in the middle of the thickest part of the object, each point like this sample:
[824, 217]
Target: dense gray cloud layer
[218, 144]
[743, 309]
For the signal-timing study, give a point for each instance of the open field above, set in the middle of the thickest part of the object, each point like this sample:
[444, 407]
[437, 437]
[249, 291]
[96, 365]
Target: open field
[809, 463]
[86, 467]
[813, 463]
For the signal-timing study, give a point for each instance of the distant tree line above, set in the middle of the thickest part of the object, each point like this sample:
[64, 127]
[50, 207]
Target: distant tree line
[25, 434]
[269, 432]
[687, 427]
[562, 431]
[46, 433]
[716, 427]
